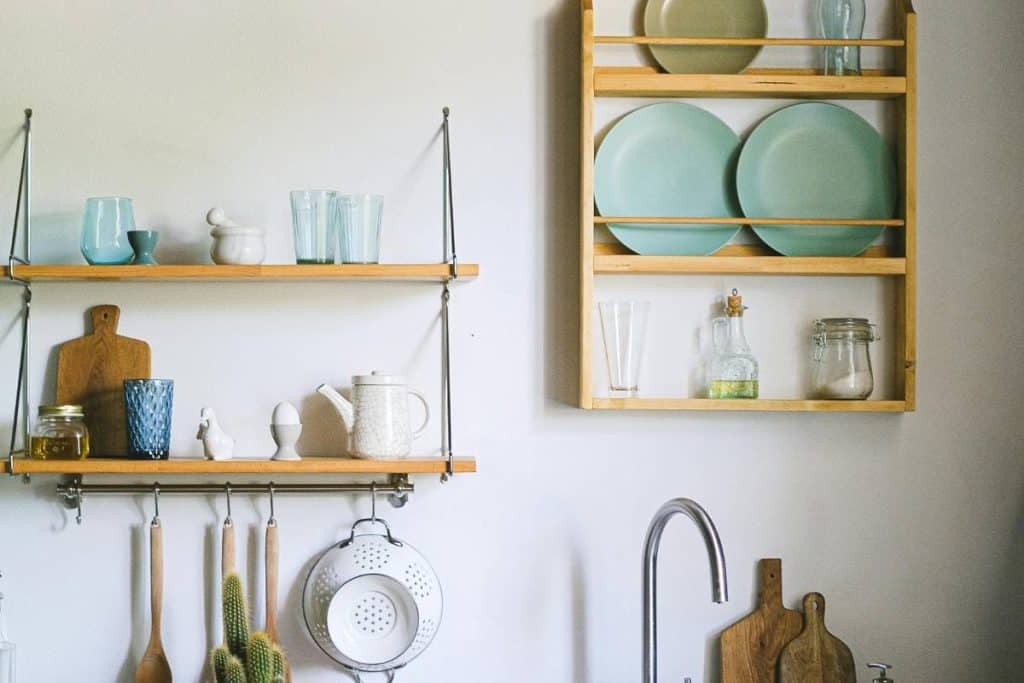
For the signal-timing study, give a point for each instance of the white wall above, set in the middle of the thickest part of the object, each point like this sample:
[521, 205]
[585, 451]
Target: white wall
[910, 525]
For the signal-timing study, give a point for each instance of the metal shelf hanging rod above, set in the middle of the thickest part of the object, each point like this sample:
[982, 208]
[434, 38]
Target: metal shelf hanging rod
[73, 489]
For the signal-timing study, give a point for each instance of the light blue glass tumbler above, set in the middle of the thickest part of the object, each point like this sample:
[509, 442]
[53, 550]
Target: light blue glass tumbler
[359, 224]
[105, 229]
[316, 225]
[148, 407]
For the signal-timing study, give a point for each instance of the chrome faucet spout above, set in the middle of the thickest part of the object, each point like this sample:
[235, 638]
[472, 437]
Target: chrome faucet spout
[716, 559]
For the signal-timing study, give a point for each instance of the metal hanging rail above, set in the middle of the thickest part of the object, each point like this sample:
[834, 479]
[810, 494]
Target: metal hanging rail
[73, 492]
[21, 390]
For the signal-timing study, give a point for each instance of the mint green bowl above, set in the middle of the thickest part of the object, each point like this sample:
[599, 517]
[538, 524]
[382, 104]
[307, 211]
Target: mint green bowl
[668, 159]
[816, 160]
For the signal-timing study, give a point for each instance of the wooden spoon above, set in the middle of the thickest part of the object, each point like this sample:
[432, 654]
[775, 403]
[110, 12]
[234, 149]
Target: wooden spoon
[154, 667]
[227, 549]
[271, 559]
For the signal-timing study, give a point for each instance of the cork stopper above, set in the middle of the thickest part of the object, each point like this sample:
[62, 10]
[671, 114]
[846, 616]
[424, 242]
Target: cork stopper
[734, 305]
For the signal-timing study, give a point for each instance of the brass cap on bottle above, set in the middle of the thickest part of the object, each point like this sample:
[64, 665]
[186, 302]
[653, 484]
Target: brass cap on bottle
[734, 305]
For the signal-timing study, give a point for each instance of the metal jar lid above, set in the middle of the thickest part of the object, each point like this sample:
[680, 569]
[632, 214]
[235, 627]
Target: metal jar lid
[856, 329]
[69, 410]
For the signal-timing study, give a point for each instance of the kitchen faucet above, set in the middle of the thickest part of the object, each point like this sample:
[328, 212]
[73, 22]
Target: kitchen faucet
[716, 558]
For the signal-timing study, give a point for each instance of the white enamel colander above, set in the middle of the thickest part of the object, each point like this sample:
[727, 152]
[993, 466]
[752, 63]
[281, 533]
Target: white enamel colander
[372, 603]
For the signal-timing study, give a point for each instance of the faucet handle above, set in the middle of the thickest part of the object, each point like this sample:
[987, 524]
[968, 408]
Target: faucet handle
[883, 672]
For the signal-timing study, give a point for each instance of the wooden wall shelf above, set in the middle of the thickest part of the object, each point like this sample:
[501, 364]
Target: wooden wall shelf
[262, 467]
[897, 260]
[759, 405]
[746, 265]
[427, 272]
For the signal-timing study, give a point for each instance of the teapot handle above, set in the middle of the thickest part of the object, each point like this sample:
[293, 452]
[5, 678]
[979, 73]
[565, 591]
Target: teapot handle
[426, 413]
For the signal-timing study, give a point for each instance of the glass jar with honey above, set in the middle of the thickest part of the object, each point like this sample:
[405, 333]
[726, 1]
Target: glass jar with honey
[60, 434]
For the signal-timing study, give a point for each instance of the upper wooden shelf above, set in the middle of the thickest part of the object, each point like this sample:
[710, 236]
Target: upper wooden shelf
[195, 466]
[630, 81]
[428, 272]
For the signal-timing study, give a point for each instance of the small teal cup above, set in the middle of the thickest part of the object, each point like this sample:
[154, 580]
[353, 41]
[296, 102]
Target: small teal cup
[143, 243]
[105, 227]
[148, 407]
[359, 222]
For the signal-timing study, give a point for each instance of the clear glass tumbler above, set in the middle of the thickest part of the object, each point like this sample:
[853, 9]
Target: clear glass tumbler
[841, 20]
[105, 229]
[624, 327]
[359, 224]
[148, 405]
[315, 220]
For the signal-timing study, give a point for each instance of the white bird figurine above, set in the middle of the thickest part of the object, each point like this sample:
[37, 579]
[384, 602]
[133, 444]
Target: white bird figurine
[217, 445]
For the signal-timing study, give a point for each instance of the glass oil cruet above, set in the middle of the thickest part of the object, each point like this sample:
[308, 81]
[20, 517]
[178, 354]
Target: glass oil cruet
[733, 368]
[6, 649]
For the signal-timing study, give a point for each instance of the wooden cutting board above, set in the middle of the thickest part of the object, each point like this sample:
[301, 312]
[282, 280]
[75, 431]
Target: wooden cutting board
[816, 656]
[91, 371]
[751, 646]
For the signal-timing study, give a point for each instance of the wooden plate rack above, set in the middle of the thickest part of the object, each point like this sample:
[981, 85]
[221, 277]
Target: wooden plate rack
[898, 262]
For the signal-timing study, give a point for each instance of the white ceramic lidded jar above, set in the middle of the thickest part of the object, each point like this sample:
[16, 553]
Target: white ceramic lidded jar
[377, 418]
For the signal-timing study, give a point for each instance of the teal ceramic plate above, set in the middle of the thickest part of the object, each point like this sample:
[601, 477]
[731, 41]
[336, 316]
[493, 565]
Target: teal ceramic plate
[816, 160]
[668, 159]
[705, 19]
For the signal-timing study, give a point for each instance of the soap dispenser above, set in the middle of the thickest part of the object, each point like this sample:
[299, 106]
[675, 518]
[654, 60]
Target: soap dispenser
[883, 671]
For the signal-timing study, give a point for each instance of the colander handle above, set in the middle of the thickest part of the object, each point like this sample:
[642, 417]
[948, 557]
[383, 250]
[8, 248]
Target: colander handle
[390, 673]
[373, 520]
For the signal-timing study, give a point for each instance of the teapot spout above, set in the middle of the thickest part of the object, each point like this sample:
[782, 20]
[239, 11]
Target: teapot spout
[343, 407]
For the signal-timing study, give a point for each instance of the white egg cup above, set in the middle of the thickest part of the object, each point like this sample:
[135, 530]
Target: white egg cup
[286, 436]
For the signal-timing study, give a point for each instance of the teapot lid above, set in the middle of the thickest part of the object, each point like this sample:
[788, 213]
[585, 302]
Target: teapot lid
[379, 377]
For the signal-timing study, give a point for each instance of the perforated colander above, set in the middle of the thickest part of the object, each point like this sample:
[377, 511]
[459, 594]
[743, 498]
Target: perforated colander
[372, 603]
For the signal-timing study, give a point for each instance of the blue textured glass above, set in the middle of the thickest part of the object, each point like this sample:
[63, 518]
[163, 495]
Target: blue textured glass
[148, 406]
[105, 229]
[359, 221]
[316, 225]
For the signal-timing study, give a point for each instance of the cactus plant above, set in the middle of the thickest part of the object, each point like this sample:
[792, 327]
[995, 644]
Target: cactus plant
[245, 658]
[236, 616]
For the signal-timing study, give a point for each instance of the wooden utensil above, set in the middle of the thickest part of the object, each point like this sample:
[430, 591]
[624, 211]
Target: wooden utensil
[751, 646]
[271, 560]
[816, 656]
[227, 548]
[91, 371]
[154, 667]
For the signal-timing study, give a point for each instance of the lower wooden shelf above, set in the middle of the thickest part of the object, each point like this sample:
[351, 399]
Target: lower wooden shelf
[195, 466]
[758, 405]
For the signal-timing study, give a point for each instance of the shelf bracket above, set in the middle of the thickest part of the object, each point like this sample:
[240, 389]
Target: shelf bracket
[72, 491]
[451, 258]
[22, 210]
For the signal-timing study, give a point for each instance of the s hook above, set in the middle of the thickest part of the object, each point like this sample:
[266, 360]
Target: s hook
[227, 495]
[156, 505]
[273, 519]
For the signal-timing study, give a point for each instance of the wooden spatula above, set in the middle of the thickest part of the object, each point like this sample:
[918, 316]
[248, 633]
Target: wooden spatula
[91, 371]
[751, 646]
[154, 667]
[271, 560]
[816, 656]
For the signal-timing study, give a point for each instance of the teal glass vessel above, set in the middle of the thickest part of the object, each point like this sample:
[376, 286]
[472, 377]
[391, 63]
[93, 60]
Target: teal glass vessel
[105, 229]
[148, 407]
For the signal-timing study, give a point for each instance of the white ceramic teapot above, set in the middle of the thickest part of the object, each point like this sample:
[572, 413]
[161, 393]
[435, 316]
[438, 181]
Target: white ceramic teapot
[377, 418]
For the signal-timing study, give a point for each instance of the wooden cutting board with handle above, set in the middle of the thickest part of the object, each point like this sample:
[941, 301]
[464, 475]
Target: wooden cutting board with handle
[751, 647]
[91, 371]
[816, 656]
